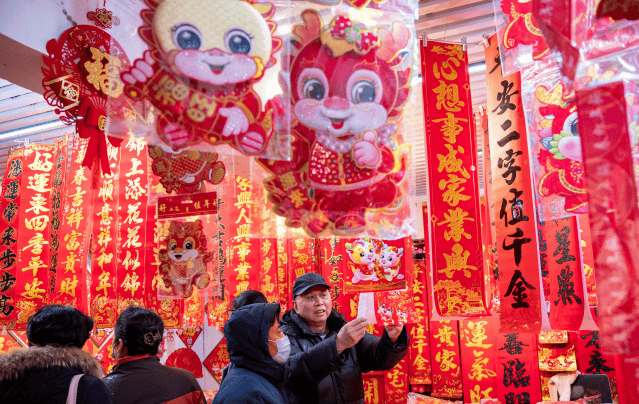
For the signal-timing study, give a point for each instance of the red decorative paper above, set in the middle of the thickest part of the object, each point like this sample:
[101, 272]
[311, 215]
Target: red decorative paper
[105, 354]
[346, 164]
[522, 28]
[332, 265]
[519, 276]
[132, 210]
[614, 214]
[186, 172]
[268, 269]
[57, 195]
[375, 265]
[217, 105]
[374, 392]
[74, 239]
[591, 359]
[419, 364]
[103, 18]
[396, 383]
[301, 258]
[187, 359]
[517, 368]
[189, 335]
[9, 225]
[567, 300]
[553, 337]
[479, 364]
[217, 360]
[445, 359]
[33, 239]
[103, 247]
[99, 336]
[282, 272]
[81, 70]
[588, 259]
[171, 207]
[454, 194]
[557, 358]
[7, 344]
[193, 311]
[618, 9]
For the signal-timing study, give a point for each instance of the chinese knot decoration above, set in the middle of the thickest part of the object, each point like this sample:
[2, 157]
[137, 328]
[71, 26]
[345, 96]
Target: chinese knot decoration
[200, 71]
[347, 91]
[103, 18]
[79, 91]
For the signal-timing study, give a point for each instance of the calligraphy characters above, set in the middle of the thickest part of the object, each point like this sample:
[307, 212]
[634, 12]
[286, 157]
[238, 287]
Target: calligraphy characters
[183, 261]
[347, 86]
[201, 69]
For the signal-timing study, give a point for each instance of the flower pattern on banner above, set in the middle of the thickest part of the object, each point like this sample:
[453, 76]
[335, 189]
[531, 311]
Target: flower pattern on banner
[187, 359]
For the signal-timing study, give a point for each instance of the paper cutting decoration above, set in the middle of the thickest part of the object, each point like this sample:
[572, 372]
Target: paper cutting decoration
[183, 261]
[103, 18]
[187, 359]
[200, 71]
[347, 89]
[185, 172]
[81, 70]
[375, 265]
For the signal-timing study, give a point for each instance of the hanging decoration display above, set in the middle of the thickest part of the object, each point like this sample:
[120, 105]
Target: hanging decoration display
[268, 269]
[419, 364]
[234, 39]
[81, 71]
[57, 195]
[33, 237]
[445, 359]
[217, 360]
[478, 361]
[557, 358]
[375, 265]
[348, 84]
[9, 225]
[103, 18]
[591, 359]
[520, 280]
[396, 383]
[454, 193]
[518, 368]
[613, 211]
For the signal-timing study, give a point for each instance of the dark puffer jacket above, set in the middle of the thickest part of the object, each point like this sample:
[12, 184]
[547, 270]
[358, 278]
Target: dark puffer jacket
[43, 375]
[144, 380]
[254, 376]
[345, 385]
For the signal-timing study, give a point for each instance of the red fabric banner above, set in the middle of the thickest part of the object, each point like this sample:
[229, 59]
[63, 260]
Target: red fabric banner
[32, 276]
[479, 365]
[614, 214]
[445, 359]
[454, 194]
[567, 300]
[374, 389]
[301, 258]
[9, 225]
[557, 357]
[282, 273]
[518, 369]
[268, 269]
[519, 278]
[57, 197]
[419, 364]
[332, 259]
[74, 235]
[132, 211]
[591, 360]
[588, 260]
[396, 383]
[103, 247]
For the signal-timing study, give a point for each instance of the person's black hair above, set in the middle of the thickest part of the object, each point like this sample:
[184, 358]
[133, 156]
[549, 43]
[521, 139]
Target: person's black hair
[248, 297]
[276, 315]
[59, 325]
[140, 330]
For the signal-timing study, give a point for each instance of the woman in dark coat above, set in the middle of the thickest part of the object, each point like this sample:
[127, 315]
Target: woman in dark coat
[43, 372]
[138, 376]
[257, 349]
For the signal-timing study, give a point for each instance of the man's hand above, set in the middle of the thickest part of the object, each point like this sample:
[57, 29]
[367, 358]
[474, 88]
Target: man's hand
[393, 332]
[350, 334]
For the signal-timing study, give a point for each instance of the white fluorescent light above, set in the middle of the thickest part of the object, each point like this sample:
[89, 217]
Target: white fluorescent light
[477, 67]
[32, 129]
[417, 79]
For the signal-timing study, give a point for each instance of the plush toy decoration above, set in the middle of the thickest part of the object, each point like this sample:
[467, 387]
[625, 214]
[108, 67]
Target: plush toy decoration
[203, 61]
[185, 172]
[183, 261]
[347, 90]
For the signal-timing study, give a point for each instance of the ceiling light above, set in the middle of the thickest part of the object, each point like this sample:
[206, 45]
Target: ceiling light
[477, 67]
[29, 130]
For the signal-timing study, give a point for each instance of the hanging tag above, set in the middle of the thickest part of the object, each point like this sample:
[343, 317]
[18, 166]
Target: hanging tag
[366, 307]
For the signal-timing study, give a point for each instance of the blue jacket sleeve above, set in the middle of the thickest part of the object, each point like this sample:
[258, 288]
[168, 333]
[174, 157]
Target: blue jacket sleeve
[375, 353]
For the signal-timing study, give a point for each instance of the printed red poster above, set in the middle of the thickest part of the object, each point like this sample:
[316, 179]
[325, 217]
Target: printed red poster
[375, 265]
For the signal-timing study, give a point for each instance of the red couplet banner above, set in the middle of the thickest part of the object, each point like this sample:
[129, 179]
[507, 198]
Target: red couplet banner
[519, 277]
[458, 273]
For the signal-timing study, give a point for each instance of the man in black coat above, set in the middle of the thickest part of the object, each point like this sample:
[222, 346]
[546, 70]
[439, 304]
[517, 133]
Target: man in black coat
[346, 347]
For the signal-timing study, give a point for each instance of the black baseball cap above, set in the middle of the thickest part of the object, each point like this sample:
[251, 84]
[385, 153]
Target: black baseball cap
[307, 281]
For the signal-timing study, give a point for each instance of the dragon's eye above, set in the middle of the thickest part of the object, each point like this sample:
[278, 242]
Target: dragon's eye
[187, 36]
[189, 243]
[570, 124]
[363, 91]
[172, 245]
[314, 88]
[238, 41]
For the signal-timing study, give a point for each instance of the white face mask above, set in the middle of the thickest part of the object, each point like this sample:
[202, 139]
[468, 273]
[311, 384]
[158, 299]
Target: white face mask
[283, 349]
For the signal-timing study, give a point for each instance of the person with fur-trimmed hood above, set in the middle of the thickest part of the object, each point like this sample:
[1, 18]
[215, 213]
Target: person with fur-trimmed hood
[43, 372]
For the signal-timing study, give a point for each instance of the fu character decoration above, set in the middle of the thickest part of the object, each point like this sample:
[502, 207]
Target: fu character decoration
[347, 89]
[199, 71]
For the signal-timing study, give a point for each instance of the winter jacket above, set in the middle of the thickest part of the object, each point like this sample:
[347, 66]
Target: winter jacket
[43, 375]
[345, 385]
[144, 380]
[253, 377]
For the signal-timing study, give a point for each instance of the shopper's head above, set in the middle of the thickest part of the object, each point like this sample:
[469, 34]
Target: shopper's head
[248, 297]
[59, 325]
[312, 300]
[138, 331]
